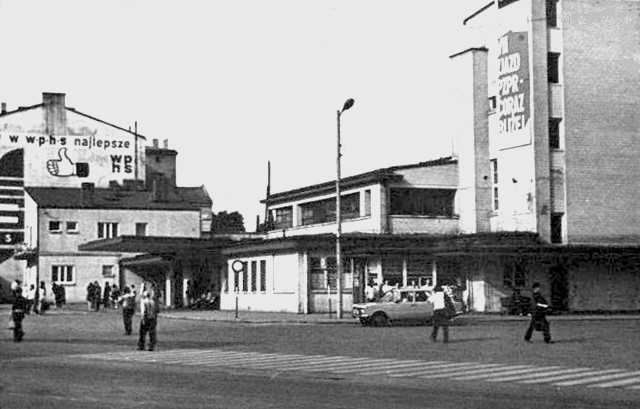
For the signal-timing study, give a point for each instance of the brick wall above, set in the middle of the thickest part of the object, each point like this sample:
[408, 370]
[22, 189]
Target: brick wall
[602, 124]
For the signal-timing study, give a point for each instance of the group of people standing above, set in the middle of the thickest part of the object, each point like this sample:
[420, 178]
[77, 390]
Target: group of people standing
[97, 297]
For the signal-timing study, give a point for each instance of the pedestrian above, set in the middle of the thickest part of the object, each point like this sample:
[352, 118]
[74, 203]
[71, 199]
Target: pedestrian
[106, 295]
[30, 295]
[443, 311]
[538, 322]
[43, 304]
[18, 311]
[115, 293]
[90, 295]
[97, 296]
[127, 302]
[149, 319]
[14, 286]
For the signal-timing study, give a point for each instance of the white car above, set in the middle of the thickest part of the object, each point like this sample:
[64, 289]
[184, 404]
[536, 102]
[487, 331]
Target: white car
[404, 304]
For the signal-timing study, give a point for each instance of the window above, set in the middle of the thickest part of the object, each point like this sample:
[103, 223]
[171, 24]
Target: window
[553, 68]
[322, 271]
[554, 133]
[72, 227]
[64, 274]
[263, 275]
[367, 202]
[422, 202]
[55, 226]
[107, 271]
[318, 273]
[492, 104]
[141, 229]
[556, 227]
[254, 276]
[324, 211]
[552, 13]
[494, 181]
[245, 277]
[284, 217]
[107, 230]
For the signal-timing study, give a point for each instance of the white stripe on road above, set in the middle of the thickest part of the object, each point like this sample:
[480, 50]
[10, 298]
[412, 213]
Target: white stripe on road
[505, 372]
[402, 367]
[431, 368]
[487, 368]
[540, 375]
[463, 371]
[575, 375]
[598, 378]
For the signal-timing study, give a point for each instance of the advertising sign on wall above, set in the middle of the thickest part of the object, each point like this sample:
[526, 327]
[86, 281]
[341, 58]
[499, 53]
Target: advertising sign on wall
[514, 110]
[69, 160]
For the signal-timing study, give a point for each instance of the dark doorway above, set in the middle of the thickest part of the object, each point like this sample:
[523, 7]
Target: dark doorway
[559, 287]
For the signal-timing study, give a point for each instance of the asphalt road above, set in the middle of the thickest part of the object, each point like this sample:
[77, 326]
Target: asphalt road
[81, 360]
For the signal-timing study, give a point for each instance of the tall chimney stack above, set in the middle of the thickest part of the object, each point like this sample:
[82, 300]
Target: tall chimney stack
[55, 113]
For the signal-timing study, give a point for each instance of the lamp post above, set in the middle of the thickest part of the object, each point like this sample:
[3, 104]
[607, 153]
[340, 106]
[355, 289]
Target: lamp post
[348, 104]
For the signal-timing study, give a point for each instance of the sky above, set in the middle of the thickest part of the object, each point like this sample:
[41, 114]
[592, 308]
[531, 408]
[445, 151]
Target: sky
[235, 84]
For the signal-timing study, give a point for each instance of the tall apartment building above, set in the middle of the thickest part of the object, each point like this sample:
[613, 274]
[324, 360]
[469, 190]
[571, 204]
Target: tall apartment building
[547, 101]
[555, 86]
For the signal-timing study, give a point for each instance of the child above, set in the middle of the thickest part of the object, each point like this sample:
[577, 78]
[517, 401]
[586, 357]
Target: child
[17, 315]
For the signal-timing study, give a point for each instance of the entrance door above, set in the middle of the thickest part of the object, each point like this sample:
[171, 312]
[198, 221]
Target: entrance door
[359, 267]
[559, 287]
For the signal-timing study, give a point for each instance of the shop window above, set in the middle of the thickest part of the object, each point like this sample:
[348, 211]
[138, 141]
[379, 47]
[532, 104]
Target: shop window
[63, 274]
[263, 276]
[245, 277]
[254, 276]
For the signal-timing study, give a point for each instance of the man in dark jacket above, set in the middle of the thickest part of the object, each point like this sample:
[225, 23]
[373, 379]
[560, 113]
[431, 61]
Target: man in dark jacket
[18, 309]
[538, 316]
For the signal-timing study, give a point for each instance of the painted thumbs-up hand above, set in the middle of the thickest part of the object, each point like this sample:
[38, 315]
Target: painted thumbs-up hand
[63, 166]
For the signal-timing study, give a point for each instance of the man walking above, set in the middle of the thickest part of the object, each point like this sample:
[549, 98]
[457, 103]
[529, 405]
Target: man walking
[539, 316]
[443, 311]
[18, 310]
[128, 303]
[149, 313]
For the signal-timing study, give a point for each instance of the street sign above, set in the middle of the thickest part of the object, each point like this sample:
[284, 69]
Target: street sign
[237, 266]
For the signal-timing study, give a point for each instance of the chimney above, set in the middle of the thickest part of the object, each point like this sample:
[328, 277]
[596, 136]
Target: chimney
[3, 108]
[55, 114]
[86, 193]
[166, 144]
[155, 143]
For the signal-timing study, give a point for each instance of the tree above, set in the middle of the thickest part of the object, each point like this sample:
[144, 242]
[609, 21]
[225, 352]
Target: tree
[224, 222]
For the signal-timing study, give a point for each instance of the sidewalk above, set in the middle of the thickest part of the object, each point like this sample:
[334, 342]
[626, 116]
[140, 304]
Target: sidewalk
[259, 317]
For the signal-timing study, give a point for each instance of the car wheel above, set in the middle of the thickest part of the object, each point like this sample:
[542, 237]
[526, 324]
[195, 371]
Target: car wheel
[380, 319]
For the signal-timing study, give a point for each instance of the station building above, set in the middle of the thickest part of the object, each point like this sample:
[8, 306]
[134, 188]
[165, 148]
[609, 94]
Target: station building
[540, 186]
[69, 178]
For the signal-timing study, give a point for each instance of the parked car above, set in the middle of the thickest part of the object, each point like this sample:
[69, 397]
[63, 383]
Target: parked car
[398, 305]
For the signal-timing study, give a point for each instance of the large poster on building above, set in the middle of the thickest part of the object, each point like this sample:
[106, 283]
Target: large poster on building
[513, 98]
[69, 160]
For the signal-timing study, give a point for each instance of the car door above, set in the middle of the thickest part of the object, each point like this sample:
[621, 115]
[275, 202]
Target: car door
[423, 308]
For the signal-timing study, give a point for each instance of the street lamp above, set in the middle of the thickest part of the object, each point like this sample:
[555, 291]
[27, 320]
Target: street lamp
[348, 104]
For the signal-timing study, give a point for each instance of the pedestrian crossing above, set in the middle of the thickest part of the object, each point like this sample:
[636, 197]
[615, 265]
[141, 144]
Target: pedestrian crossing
[555, 375]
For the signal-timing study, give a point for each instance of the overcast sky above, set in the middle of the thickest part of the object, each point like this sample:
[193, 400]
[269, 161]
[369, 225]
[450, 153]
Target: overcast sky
[234, 84]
